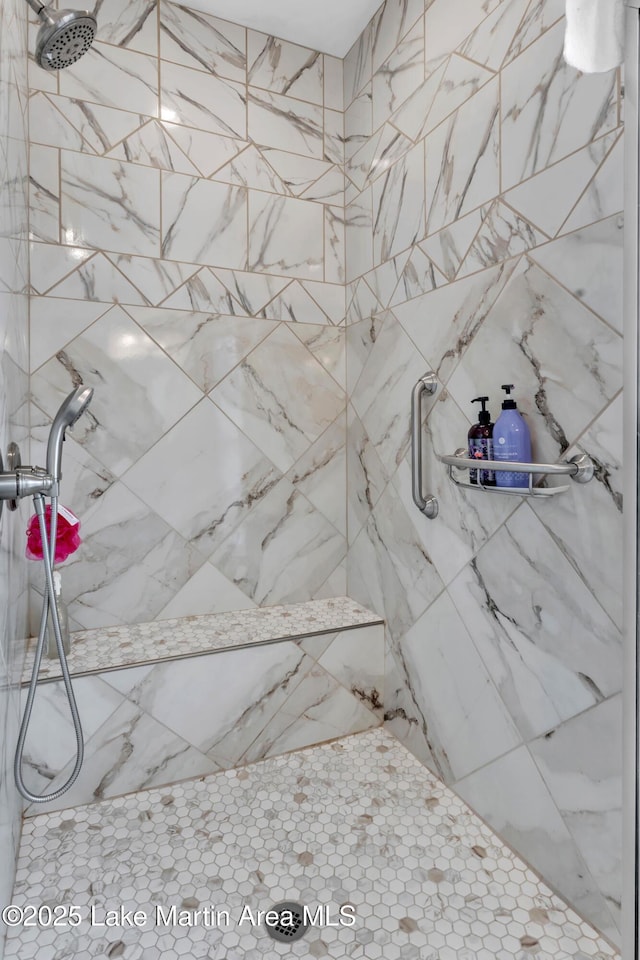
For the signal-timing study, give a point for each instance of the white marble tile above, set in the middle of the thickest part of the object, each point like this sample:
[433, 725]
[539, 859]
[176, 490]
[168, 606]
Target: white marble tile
[50, 263]
[604, 194]
[44, 194]
[589, 263]
[581, 763]
[330, 297]
[587, 522]
[333, 83]
[335, 244]
[398, 206]
[204, 292]
[333, 140]
[461, 155]
[363, 305]
[399, 76]
[223, 491]
[377, 157]
[218, 239]
[549, 109]
[285, 123]
[250, 169]
[356, 659]
[195, 39]
[154, 278]
[99, 127]
[502, 235]
[444, 91]
[419, 276]
[358, 122]
[457, 709]
[359, 235]
[207, 151]
[252, 291]
[285, 236]
[512, 797]
[207, 591]
[547, 198]
[198, 99]
[109, 205]
[152, 147]
[285, 68]
[328, 189]
[552, 654]
[383, 280]
[296, 172]
[561, 383]
[96, 279]
[295, 305]
[357, 66]
[393, 21]
[539, 16]
[288, 549]
[367, 476]
[112, 76]
[133, 25]
[54, 323]
[493, 38]
[206, 346]
[145, 392]
[328, 345]
[51, 126]
[281, 417]
[320, 474]
[445, 32]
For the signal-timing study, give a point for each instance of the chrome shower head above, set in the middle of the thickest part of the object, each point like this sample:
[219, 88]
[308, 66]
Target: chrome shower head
[64, 37]
[70, 410]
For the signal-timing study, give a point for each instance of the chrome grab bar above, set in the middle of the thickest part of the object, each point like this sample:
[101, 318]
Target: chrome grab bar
[427, 505]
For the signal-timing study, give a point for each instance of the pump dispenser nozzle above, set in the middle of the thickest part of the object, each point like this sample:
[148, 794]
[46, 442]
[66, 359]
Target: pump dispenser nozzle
[509, 403]
[484, 416]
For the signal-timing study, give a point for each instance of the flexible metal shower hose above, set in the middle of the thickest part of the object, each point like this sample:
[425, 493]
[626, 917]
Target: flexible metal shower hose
[48, 603]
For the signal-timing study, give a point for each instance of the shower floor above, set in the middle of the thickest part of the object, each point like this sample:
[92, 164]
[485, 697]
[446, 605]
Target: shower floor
[356, 822]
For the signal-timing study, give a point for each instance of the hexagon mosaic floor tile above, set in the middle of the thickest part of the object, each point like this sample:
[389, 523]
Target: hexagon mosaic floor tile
[390, 863]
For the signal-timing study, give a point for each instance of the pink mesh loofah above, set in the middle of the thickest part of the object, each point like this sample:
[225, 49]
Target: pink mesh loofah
[67, 537]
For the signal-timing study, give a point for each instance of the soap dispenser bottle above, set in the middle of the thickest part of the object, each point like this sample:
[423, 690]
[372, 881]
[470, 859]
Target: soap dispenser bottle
[511, 441]
[481, 445]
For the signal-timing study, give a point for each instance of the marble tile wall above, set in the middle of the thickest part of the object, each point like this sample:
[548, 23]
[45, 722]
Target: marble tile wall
[187, 261]
[14, 419]
[244, 704]
[484, 241]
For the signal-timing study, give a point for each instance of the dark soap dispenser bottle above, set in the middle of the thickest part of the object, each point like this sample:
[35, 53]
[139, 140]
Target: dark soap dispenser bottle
[481, 445]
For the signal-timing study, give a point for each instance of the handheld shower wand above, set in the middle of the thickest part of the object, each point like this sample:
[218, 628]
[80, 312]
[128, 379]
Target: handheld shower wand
[70, 410]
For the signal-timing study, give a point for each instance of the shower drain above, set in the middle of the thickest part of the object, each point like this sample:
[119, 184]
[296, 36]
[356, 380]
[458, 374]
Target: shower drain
[291, 925]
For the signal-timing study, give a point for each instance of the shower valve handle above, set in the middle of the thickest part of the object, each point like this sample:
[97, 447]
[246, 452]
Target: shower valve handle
[25, 482]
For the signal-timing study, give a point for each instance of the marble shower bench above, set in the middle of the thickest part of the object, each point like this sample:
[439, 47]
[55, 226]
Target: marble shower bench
[175, 699]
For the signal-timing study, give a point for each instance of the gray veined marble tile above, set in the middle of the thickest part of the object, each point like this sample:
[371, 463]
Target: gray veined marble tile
[393, 21]
[203, 292]
[390, 565]
[333, 83]
[549, 646]
[457, 708]
[285, 552]
[327, 343]
[539, 16]
[581, 762]
[397, 78]
[335, 244]
[357, 66]
[109, 205]
[376, 157]
[295, 305]
[155, 279]
[206, 346]
[587, 522]
[197, 99]
[333, 141]
[139, 392]
[549, 109]
[52, 127]
[445, 32]
[133, 25]
[219, 238]
[320, 474]
[547, 198]
[589, 264]
[363, 305]
[285, 123]
[462, 308]
[514, 800]
[44, 194]
[330, 297]
[358, 123]
[97, 279]
[367, 476]
[54, 322]
[419, 276]
[207, 591]
[285, 68]
[503, 234]
[561, 383]
[281, 418]
[449, 247]
[356, 659]
[223, 491]
[195, 39]
[359, 235]
[111, 76]
[151, 146]
[97, 128]
[383, 280]
[285, 236]
[491, 41]
[328, 189]
[604, 194]
[296, 172]
[252, 291]
[461, 156]
[250, 169]
[207, 151]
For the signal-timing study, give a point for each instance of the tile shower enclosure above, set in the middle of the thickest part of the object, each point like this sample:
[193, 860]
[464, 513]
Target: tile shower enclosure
[253, 263]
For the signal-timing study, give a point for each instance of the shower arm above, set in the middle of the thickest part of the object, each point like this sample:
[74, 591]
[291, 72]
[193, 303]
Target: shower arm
[36, 6]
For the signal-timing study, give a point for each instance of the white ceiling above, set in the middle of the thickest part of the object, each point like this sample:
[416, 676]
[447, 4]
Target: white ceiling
[331, 26]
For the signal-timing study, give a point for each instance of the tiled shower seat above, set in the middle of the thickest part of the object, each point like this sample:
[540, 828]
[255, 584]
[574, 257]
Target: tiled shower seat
[164, 701]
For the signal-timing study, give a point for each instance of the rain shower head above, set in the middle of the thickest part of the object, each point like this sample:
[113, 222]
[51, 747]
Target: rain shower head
[70, 410]
[64, 37]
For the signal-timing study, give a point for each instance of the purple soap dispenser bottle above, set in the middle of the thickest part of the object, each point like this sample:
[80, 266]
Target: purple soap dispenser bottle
[511, 441]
